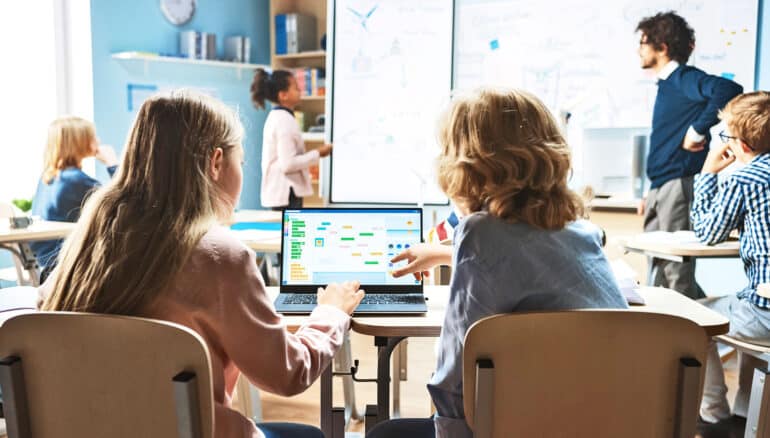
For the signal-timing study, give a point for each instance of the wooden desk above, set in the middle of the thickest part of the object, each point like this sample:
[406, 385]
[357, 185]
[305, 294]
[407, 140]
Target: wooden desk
[39, 230]
[261, 216]
[263, 241]
[680, 246]
[16, 240]
[388, 331]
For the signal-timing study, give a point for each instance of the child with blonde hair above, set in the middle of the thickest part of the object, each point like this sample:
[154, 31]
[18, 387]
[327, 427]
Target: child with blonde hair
[150, 244]
[742, 202]
[520, 244]
[64, 186]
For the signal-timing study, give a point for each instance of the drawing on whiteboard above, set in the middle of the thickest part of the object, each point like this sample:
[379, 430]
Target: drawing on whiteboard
[363, 18]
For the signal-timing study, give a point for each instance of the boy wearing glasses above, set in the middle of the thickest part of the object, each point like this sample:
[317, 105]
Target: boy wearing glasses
[743, 203]
[686, 107]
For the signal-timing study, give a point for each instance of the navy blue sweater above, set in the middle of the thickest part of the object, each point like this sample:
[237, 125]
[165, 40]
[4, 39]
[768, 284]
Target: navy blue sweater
[61, 200]
[688, 97]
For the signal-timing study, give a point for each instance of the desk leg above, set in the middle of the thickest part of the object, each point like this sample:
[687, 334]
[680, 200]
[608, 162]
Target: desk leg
[385, 346]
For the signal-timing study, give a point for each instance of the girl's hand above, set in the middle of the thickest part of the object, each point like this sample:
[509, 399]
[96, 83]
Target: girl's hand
[422, 257]
[106, 154]
[718, 158]
[325, 150]
[345, 296]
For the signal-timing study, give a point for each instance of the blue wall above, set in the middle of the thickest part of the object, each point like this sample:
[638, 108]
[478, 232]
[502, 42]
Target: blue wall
[139, 25]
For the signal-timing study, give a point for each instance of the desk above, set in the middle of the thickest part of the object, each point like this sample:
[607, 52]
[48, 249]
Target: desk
[16, 240]
[679, 246]
[388, 331]
[262, 216]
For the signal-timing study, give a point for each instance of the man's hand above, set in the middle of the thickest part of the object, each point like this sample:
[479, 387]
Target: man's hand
[692, 145]
[640, 207]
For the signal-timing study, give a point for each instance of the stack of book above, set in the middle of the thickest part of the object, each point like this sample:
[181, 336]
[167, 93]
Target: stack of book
[311, 81]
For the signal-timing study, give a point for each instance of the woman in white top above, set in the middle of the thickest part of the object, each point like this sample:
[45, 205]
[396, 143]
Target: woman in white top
[285, 162]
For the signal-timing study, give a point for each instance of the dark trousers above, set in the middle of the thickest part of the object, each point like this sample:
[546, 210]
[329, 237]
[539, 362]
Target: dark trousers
[289, 430]
[294, 202]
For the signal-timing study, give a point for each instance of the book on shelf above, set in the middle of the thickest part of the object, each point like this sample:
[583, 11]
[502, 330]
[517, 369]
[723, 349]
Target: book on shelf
[311, 81]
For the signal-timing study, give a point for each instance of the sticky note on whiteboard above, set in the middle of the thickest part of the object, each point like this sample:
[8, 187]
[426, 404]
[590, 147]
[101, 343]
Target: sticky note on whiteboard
[494, 44]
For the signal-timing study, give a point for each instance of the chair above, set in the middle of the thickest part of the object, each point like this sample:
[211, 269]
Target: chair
[757, 424]
[593, 373]
[74, 374]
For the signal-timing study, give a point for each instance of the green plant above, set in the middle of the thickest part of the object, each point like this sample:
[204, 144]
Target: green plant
[24, 205]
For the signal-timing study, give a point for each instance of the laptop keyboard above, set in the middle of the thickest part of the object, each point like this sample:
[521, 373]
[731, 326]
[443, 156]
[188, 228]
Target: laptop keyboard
[368, 299]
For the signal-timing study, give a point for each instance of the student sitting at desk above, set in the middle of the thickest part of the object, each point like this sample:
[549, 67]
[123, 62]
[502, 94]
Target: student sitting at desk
[519, 245]
[63, 186]
[742, 203]
[150, 245]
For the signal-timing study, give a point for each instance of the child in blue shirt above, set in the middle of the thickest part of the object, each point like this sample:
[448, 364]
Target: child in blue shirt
[64, 186]
[743, 203]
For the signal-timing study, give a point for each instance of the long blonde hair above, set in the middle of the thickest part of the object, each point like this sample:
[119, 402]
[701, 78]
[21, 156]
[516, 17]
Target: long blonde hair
[69, 141]
[503, 152]
[137, 232]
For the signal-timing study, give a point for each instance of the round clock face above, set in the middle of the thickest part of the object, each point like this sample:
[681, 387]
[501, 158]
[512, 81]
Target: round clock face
[178, 12]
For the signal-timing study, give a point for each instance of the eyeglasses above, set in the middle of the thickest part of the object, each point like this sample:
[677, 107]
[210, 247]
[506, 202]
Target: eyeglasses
[726, 138]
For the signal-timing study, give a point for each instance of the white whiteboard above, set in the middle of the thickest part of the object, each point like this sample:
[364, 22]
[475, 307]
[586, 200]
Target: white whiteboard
[392, 76]
[580, 56]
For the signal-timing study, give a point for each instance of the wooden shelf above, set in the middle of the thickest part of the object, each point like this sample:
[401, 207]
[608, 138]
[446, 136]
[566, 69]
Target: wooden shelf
[147, 58]
[302, 55]
[313, 98]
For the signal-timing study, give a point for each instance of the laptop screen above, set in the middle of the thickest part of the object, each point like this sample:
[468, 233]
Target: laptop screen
[322, 246]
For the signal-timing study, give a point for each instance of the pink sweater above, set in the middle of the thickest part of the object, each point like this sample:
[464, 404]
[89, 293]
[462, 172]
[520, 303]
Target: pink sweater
[220, 294]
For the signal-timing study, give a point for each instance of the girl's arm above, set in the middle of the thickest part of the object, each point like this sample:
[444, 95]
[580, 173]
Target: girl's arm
[255, 337]
[289, 159]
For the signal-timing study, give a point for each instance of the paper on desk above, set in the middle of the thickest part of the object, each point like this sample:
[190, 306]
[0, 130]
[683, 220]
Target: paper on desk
[676, 237]
[627, 283]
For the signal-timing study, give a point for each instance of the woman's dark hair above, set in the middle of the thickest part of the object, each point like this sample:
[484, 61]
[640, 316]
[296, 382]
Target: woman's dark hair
[672, 30]
[266, 86]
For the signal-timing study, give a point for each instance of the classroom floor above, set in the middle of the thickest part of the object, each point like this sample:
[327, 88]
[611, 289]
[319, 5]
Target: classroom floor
[415, 402]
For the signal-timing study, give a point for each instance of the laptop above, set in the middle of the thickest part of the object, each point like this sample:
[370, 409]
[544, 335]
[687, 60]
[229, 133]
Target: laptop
[327, 245]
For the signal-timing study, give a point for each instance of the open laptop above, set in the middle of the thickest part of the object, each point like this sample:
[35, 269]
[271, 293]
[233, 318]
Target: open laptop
[326, 245]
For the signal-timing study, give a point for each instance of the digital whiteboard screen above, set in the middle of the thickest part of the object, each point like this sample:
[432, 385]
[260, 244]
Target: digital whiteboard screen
[392, 77]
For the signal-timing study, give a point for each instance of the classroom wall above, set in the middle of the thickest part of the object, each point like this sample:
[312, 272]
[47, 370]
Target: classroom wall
[139, 25]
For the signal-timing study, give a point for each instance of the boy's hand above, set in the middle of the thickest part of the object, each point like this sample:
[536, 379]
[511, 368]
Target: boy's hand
[422, 257]
[718, 158]
[325, 150]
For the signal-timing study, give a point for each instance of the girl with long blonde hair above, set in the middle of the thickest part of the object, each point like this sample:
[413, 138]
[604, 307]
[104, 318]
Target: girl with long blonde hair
[150, 244]
[520, 244]
[64, 186]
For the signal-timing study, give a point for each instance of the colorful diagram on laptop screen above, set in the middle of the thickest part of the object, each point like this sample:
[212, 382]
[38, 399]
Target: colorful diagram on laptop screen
[325, 246]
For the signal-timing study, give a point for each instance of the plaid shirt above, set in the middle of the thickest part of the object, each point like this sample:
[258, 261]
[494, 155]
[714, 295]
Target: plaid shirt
[742, 203]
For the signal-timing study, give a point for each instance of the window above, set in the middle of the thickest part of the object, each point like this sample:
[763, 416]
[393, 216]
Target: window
[47, 73]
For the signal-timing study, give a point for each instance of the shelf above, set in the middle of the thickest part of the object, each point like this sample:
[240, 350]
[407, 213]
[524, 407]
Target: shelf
[313, 137]
[313, 98]
[148, 58]
[302, 55]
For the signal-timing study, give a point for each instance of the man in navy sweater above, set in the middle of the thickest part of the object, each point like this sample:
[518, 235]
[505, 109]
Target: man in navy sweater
[686, 107]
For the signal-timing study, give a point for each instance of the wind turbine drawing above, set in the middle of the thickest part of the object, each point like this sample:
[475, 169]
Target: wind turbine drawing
[363, 18]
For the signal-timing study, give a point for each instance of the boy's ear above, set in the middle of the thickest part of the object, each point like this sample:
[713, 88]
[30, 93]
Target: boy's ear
[745, 148]
[216, 162]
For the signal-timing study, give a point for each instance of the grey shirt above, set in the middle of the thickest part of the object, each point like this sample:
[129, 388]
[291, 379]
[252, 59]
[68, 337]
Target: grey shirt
[502, 267]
